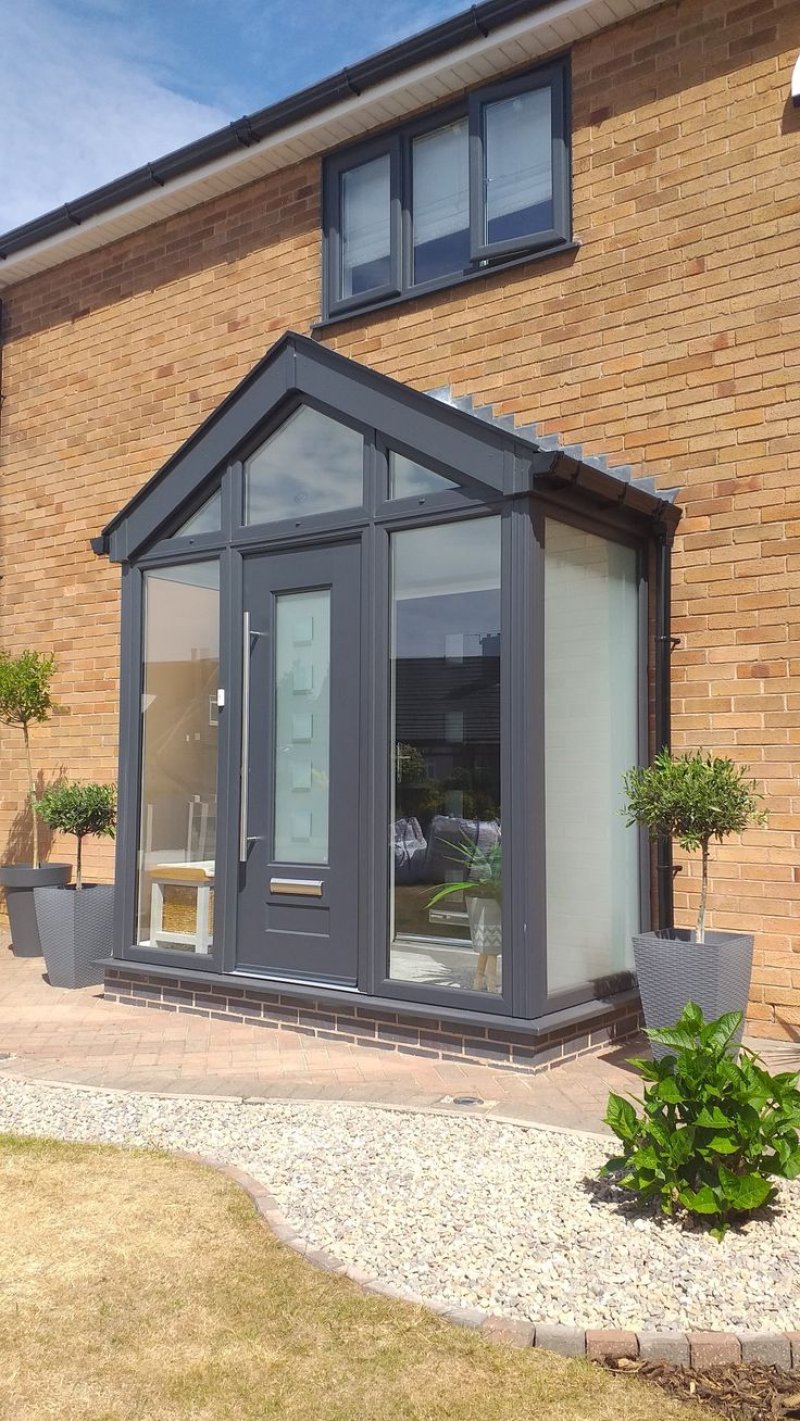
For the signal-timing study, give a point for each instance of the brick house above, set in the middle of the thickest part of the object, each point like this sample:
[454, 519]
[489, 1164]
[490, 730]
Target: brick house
[394, 409]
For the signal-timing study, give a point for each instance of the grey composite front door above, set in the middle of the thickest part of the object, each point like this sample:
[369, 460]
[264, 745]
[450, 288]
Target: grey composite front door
[299, 842]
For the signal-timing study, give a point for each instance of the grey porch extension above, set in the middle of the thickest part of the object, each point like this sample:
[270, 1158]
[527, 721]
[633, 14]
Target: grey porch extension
[372, 642]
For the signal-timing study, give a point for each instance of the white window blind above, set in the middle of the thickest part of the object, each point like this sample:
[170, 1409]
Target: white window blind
[441, 183]
[365, 236]
[518, 134]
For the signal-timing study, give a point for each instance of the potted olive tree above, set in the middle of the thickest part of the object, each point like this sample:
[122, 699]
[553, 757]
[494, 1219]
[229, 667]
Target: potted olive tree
[75, 921]
[26, 700]
[694, 799]
[483, 891]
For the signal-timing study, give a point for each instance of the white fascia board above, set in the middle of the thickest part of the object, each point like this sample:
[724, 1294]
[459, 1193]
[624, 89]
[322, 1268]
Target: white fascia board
[316, 133]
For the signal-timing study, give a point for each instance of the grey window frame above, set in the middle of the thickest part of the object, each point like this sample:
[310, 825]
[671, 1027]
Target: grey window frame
[335, 168]
[554, 77]
[498, 471]
[398, 144]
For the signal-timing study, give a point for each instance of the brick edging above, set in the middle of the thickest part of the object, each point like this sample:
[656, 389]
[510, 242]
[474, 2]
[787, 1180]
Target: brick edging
[696, 1350]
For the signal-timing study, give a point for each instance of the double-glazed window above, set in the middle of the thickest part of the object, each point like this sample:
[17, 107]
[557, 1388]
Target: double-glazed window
[449, 195]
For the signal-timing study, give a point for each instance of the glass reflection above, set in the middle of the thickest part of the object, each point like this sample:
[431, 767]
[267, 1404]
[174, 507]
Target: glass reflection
[445, 852]
[312, 464]
[178, 817]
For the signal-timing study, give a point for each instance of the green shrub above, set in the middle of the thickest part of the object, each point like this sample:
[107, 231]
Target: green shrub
[694, 799]
[714, 1132]
[80, 809]
[25, 699]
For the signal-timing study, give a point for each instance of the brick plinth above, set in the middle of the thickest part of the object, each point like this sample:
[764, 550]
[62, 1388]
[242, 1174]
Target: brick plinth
[357, 1023]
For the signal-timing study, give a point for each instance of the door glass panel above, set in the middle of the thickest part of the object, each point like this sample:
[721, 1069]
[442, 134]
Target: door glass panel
[407, 478]
[440, 164]
[302, 726]
[366, 227]
[445, 706]
[591, 679]
[518, 166]
[312, 464]
[207, 518]
[177, 825]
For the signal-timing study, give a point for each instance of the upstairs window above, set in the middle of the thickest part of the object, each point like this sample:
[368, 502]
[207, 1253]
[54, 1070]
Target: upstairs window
[450, 195]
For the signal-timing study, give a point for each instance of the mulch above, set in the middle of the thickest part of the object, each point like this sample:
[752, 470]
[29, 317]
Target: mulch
[748, 1392]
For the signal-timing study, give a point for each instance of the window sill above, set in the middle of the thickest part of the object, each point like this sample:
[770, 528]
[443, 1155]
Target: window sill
[447, 283]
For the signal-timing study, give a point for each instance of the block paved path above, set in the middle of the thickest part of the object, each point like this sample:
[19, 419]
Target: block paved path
[76, 1036]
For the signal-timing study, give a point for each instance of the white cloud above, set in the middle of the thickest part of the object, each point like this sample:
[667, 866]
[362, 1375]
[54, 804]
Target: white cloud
[79, 105]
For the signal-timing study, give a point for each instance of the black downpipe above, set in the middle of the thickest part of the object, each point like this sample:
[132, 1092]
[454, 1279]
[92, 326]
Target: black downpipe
[663, 698]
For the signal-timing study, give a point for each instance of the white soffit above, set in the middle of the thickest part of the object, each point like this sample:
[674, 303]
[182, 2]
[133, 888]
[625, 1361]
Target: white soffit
[426, 85]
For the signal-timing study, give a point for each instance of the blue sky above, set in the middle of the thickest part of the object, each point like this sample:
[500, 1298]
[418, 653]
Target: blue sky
[92, 88]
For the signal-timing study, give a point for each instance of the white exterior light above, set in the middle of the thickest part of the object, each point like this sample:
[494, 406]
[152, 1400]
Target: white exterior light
[796, 84]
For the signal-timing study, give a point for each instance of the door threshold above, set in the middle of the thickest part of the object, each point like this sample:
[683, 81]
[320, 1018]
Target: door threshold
[247, 974]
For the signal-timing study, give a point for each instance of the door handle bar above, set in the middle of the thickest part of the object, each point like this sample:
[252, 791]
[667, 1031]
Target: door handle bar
[245, 759]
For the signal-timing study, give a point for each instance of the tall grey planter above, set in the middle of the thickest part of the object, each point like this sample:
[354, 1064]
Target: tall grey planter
[673, 969]
[19, 882]
[75, 929]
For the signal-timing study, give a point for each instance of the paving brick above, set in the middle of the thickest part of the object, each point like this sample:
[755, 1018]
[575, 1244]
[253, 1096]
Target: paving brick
[568, 1341]
[794, 1343]
[771, 1349]
[610, 1344]
[664, 1347]
[714, 1349]
[509, 1331]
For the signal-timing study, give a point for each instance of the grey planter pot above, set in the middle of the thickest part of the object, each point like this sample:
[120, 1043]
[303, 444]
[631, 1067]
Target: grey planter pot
[673, 970]
[19, 881]
[75, 929]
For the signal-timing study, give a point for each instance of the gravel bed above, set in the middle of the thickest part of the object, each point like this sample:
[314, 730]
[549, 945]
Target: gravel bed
[466, 1211]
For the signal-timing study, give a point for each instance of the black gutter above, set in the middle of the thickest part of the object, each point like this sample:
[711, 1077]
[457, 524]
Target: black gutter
[663, 699]
[478, 22]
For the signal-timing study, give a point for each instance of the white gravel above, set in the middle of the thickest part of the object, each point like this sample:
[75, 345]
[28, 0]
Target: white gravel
[466, 1211]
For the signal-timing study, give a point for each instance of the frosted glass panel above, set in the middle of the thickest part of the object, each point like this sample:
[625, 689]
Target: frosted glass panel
[591, 738]
[366, 231]
[302, 726]
[518, 158]
[312, 464]
[440, 164]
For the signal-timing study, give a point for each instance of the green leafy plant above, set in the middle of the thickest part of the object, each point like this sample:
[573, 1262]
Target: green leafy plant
[80, 809]
[25, 698]
[714, 1131]
[485, 869]
[693, 799]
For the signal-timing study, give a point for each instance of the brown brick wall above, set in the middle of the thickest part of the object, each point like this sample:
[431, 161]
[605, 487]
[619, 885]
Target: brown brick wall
[669, 341]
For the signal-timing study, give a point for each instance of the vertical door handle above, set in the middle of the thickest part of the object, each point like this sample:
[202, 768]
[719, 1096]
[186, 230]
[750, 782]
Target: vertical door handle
[245, 762]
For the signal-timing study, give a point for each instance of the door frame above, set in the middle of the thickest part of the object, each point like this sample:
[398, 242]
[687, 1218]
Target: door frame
[338, 567]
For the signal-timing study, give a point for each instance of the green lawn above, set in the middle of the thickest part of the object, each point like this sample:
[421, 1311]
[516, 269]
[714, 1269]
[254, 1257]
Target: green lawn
[135, 1287]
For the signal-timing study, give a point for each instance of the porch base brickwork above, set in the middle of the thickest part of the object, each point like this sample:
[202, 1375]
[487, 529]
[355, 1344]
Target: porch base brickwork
[358, 1023]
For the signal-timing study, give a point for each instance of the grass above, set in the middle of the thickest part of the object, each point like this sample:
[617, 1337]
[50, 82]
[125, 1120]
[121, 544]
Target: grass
[136, 1287]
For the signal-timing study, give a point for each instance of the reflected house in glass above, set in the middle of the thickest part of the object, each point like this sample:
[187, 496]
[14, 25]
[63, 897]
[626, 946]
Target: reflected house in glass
[384, 663]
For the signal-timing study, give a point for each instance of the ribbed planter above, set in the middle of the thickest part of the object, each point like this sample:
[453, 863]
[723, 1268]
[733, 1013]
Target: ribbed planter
[19, 882]
[75, 930]
[672, 970]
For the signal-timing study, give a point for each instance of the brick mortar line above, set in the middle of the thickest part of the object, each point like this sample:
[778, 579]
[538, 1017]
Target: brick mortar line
[511, 1063]
[696, 1350]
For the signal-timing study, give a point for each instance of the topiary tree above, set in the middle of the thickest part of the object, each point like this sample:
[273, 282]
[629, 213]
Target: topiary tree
[80, 809]
[692, 798]
[25, 699]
